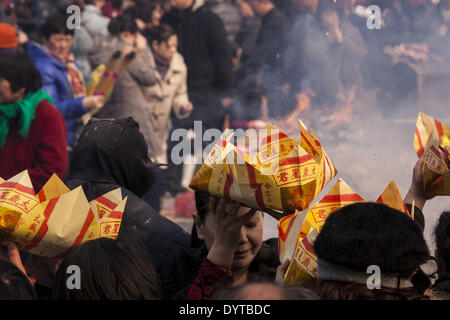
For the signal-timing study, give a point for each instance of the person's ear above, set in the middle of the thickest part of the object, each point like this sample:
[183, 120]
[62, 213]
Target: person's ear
[199, 227]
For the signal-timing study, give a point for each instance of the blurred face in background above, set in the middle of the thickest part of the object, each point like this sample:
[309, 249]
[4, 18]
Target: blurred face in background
[166, 49]
[307, 5]
[261, 7]
[345, 6]
[157, 15]
[181, 4]
[330, 19]
[245, 8]
[59, 44]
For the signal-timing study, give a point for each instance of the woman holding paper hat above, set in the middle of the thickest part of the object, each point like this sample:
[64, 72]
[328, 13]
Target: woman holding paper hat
[230, 252]
[32, 131]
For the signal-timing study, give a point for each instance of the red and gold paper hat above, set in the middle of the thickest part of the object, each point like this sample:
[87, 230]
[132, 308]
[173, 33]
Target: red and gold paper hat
[426, 126]
[298, 231]
[281, 174]
[297, 226]
[56, 219]
[432, 141]
[303, 267]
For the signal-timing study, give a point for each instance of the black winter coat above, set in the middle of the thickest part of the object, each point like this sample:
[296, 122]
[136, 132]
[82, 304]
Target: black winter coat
[113, 154]
[204, 46]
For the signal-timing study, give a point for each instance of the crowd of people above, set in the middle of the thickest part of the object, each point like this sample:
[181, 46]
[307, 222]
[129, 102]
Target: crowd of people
[226, 63]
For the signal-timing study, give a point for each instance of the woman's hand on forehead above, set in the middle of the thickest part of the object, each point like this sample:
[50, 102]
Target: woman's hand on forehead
[230, 207]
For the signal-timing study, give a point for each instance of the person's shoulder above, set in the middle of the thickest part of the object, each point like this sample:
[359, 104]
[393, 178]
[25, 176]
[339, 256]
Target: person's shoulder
[206, 13]
[42, 60]
[47, 110]
[180, 271]
[47, 113]
[178, 62]
[45, 66]
[187, 261]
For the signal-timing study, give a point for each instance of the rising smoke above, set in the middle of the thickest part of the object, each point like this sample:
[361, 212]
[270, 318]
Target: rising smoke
[368, 133]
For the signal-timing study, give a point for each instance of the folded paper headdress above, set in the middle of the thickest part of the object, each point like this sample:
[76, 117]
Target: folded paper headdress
[297, 232]
[270, 171]
[432, 141]
[56, 219]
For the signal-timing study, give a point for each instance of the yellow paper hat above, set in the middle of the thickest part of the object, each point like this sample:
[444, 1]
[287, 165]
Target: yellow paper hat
[426, 126]
[57, 219]
[281, 175]
[430, 137]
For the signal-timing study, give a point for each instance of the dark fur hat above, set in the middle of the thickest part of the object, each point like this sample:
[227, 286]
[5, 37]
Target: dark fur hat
[364, 234]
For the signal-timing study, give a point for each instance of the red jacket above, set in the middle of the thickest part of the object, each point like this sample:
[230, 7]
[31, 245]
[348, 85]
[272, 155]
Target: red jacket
[43, 152]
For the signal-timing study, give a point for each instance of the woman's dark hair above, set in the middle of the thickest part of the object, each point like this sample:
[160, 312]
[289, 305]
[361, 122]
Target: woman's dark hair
[202, 206]
[338, 290]
[143, 10]
[19, 70]
[121, 24]
[160, 33]
[442, 238]
[14, 285]
[56, 24]
[110, 269]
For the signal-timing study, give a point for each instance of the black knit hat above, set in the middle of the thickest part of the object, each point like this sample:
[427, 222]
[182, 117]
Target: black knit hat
[364, 234]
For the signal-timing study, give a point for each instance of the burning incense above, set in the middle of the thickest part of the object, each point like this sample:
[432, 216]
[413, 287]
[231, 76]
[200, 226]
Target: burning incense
[100, 88]
[114, 75]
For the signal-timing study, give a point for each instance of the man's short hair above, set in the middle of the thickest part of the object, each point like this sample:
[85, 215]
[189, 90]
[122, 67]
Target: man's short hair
[56, 24]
